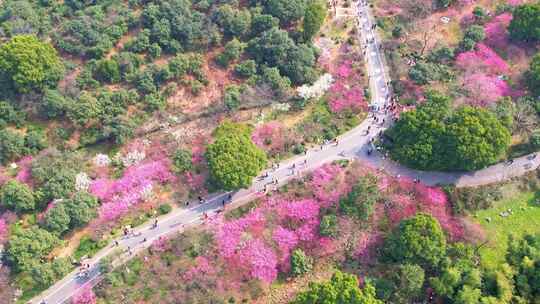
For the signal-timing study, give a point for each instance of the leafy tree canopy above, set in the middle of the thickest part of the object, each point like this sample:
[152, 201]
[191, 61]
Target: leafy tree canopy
[418, 240]
[17, 196]
[28, 64]
[27, 246]
[525, 24]
[233, 158]
[341, 289]
[433, 137]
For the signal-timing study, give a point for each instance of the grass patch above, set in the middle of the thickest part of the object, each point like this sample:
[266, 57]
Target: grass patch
[88, 247]
[525, 219]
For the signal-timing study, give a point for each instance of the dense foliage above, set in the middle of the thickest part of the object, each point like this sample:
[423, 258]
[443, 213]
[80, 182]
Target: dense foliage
[433, 137]
[27, 63]
[342, 288]
[233, 158]
[525, 24]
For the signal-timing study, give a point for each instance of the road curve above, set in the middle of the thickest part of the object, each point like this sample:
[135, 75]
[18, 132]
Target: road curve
[351, 145]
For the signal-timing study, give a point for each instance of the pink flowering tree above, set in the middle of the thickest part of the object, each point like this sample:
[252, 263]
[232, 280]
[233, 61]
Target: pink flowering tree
[260, 260]
[85, 296]
[4, 230]
[328, 184]
[118, 196]
[271, 137]
[497, 31]
[485, 89]
[482, 59]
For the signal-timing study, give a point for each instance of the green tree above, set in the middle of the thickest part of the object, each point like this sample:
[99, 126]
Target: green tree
[12, 145]
[81, 209]
[434, 138]
[262, 22]
[182, 161]
[27, 246]
[232, 97]
[525, 24]
[409, 280]
[341, 289]
[233, 158]
[286, 11]
[313, 19]
[476, 138]
[418, 240]
[300, 263]
[57, 219]
[279, 84]
[29, 64]
[234, 22]
[17, 196]
[233, 50]
[107, 70]
[246, 68]
[532, 76]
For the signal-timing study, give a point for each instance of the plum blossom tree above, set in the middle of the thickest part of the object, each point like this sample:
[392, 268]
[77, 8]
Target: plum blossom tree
[485, 89]
[85, 296]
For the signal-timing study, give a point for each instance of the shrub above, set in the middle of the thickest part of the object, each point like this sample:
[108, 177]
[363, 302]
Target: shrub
[233, 50]
[329, 225]
[17, 196]
[300, 263]
[10, 115]
[182, 161]
[107, 70]
[525, 24]
[246, 68]
[361, 200]
[164, 209]
[232, 97]
[12, 145]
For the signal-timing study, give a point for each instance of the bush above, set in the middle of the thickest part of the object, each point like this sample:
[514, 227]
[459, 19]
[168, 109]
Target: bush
[12, 145]
[246, 68]
[300, 263]
[182, 161]
[525, 24]
[17, 197]
[233, 50]
[164, 209]
[532, 76]
[10, 115]
[361, 200]
[29, 64]
[314, 16]
[232, 97]
[35, 140]
[107, 70]
[329, 225]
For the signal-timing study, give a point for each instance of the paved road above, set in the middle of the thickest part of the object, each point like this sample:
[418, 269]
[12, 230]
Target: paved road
[352, 145]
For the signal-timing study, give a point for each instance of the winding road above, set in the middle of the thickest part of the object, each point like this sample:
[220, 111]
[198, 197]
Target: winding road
[351, 145]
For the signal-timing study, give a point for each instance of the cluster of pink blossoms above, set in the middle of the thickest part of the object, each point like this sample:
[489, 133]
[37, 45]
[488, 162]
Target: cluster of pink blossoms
[202, 267]
[85, 296]
[25, 174]
[497, 31]
[328, 184]
[260, 259]
[482, 59]
[118, 195]
[244, 242]
[4, 229]
[346, 98]
[486, 89]
[270, 136]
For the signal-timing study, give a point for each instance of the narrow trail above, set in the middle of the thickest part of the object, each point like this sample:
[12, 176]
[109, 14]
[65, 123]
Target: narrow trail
[351, 145]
